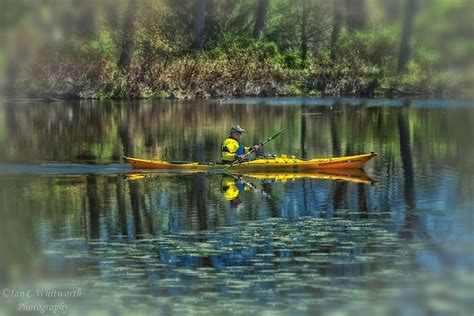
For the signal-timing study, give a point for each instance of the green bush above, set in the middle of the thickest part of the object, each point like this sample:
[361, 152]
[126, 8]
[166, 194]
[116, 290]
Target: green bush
[236, 44]
[103, 47]
[375, 46]
[292, 59]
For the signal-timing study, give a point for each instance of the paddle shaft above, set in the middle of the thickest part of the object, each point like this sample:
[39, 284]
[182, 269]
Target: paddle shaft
[253, 149]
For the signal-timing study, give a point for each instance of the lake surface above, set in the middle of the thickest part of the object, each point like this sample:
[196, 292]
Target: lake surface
[397, 238]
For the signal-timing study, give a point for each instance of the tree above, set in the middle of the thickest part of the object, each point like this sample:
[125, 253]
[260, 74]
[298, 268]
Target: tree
[405, 46]
[198, 24]
[76, 18]
[304, 31]
[304, 28]
[87, 19]
[336, 27]
[262, 9]
[229, 17]
[392, 11]
[126, 36]
[356, 14]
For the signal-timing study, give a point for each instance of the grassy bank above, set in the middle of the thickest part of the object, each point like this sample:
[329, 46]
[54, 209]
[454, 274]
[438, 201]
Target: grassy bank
[237, 66]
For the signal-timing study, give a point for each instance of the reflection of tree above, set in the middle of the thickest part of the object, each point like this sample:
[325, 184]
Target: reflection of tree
[304, 155]
[199, 199]
[335, 140]
[362, 198]
[339, 188]
[19, 242]
[406, 156]
[272, 201]
[136, 209]
[413, 226]
[121, 205]
[408, 174]
[125, 140]
[339, 195]
[303, 132]
[93, 207]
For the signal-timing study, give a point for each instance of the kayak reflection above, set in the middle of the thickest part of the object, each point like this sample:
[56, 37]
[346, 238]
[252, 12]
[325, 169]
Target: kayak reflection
[233, 184]
[351, 175]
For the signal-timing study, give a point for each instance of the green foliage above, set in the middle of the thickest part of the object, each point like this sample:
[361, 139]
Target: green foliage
[376, 46]
[104, 48]
[419, 78]
[292, 59]
[233, 45]
[233, 62]
[236, 45]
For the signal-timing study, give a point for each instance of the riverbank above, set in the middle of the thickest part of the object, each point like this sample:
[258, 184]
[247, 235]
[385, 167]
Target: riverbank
[224, 77]
[238, 68]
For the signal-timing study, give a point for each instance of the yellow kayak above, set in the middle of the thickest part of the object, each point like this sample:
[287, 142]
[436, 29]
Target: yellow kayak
[282, 162]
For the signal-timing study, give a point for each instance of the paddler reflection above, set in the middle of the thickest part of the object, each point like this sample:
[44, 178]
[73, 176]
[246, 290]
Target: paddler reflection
[232, 186]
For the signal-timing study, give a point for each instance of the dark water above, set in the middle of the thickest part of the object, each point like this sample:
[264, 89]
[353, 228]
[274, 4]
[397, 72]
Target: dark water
[74, 217]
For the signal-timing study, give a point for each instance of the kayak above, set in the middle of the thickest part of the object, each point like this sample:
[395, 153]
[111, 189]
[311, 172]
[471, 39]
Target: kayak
[350, 175]
[282, 162]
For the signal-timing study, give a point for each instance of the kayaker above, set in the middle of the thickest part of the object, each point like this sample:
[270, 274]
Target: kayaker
[232, 149]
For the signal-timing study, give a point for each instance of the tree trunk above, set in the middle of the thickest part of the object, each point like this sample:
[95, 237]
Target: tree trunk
[198, 24]
[356, 14]
[126, 40]
[392, 11]
[261, 16]
[304, 33]
[112, 14]
[336, 27]
[87, 22]
[405, 47]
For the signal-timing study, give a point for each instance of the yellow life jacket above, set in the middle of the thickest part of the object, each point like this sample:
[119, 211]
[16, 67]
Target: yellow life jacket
[229, 149]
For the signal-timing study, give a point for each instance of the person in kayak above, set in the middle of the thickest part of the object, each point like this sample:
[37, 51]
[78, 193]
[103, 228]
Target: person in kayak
[232, 149]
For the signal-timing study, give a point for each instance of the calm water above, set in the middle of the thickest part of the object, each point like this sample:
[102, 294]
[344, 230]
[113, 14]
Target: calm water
[397, 239]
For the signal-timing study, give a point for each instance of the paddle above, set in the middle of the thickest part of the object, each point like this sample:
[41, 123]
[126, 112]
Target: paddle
[253, 149]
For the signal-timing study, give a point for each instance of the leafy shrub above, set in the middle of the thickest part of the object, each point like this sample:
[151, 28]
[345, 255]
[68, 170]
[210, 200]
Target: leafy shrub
[375, 46]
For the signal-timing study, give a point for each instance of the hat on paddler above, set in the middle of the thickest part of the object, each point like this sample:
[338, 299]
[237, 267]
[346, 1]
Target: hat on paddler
[236, 128]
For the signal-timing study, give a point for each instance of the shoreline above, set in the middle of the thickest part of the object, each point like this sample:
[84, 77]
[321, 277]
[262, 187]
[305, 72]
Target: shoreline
[58, 97]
